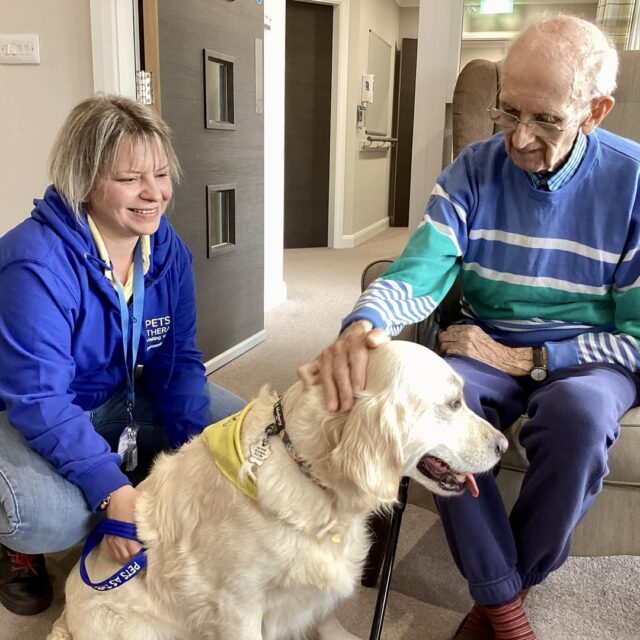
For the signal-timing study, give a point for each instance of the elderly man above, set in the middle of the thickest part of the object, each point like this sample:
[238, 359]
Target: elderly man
[542, 223]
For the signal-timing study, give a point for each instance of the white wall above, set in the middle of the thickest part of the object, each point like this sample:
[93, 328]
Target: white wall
[369, 208]
[409, 17]
[440, 29]
[474, 49]
[275, 289]
[37, 98]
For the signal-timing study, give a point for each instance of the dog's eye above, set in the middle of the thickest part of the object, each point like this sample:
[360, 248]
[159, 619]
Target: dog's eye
[454, 405]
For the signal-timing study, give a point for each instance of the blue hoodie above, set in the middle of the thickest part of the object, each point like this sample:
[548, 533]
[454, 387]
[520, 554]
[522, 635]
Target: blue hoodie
[61, 343]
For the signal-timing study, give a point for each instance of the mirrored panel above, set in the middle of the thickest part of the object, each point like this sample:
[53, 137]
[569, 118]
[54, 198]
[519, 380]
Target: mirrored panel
[218, 87]
[379, 64]
[221, 218]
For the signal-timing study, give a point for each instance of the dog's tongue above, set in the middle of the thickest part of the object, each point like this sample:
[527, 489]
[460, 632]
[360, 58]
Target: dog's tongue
[470, 481]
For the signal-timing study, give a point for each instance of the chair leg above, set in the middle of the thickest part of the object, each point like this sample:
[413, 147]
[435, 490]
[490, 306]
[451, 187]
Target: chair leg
[379, 524]
[389, 558]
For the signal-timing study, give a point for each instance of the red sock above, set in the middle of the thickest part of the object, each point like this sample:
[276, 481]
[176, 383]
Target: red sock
[477, 623]
[509, 621]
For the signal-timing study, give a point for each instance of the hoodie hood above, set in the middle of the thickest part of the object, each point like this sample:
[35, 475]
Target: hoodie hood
[53, 212]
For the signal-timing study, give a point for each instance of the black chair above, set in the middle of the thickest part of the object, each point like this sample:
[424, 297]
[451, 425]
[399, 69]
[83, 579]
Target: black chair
[385, 529]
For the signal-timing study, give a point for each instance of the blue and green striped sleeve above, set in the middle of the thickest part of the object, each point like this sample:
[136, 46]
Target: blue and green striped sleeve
[413, 286]
[621, 346]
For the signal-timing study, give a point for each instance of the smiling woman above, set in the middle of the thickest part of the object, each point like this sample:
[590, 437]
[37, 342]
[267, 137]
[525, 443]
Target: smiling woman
[129, 201]
[94, 284]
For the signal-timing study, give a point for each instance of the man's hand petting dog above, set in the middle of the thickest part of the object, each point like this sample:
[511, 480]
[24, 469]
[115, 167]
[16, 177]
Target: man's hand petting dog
[341, 368]
[122, 506]
[471, 341]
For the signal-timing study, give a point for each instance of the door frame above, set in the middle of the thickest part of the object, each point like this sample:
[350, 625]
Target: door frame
[113, 46]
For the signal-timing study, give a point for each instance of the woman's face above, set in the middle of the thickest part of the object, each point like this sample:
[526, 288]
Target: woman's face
[130, 201]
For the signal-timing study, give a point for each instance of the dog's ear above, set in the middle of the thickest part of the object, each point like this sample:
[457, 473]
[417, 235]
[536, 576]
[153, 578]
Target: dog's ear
[369, 453]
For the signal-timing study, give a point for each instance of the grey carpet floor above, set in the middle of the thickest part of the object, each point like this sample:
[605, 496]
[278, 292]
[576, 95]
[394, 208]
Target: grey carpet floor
[586, 599]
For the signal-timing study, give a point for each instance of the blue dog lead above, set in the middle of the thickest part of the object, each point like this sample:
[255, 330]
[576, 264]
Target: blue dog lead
[108, 527]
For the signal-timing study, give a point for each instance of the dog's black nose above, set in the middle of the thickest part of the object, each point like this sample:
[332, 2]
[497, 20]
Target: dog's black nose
[502, 444]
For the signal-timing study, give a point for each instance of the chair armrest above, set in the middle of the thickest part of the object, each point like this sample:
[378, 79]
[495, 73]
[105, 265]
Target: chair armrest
[374, 270]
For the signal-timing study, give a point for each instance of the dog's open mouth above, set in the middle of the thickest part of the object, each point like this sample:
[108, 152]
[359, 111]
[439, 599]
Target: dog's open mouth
[446, 478]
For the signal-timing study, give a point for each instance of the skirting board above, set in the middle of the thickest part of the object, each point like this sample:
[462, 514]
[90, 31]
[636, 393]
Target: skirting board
[234, 352]
[348, 242]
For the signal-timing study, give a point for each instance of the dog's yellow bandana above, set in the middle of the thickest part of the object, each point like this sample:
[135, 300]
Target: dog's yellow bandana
[223, 441]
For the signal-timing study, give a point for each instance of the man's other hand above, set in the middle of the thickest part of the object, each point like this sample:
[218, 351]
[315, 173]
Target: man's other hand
[471, 341]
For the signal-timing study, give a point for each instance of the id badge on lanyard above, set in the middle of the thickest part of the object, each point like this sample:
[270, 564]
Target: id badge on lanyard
[128, 442]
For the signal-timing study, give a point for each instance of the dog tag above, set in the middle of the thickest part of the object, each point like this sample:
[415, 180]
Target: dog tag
[259, 452]
[128, 447]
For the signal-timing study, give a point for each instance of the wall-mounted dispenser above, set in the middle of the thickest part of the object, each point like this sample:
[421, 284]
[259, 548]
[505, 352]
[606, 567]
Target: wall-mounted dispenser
[367, 88]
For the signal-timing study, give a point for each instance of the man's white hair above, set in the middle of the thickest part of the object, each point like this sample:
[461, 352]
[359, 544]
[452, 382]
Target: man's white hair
[578, 45]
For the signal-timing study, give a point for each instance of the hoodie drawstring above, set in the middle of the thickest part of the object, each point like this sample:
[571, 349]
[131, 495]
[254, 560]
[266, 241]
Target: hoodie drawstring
[171, 336]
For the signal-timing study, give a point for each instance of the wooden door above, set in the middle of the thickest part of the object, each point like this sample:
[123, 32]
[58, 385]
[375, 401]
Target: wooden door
[221, 152]
[309, 34]
[404, 110]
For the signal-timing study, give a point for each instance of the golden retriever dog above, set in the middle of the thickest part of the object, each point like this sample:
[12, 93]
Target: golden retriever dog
[222, 566]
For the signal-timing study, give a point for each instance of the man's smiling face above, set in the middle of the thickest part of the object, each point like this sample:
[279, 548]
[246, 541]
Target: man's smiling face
[532, 90]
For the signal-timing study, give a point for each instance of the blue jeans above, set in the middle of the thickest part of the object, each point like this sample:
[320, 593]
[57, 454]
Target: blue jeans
[40, 511]
[573, 420]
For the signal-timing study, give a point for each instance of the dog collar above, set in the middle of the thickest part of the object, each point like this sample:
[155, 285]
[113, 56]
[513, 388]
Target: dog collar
[108, 527]
[261, 450]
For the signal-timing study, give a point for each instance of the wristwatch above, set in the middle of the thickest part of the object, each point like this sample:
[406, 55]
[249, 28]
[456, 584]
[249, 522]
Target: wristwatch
[539, 371]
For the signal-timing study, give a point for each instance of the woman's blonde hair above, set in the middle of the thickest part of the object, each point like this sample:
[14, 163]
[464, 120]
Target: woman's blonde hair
[88, 144]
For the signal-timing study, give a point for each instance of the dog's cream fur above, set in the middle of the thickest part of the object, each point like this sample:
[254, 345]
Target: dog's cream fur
[222, 567]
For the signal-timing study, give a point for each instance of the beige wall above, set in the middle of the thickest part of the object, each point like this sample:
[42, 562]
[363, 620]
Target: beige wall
[367, 195]
[34, 99]
[409, 17]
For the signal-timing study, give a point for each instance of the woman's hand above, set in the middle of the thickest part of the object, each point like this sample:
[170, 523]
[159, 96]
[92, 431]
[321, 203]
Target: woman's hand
[122, 506]
[471, 341]
[341, 368]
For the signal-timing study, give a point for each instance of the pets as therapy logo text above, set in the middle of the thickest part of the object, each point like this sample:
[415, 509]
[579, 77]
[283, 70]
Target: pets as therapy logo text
[157, 329]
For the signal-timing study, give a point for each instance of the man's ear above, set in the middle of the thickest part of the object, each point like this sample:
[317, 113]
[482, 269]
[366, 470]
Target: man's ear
[600, 107]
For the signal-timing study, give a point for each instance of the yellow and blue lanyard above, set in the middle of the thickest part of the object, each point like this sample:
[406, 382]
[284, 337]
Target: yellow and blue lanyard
[127, 444]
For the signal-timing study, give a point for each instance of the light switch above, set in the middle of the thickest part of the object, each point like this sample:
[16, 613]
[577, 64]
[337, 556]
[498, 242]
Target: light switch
[19, 48]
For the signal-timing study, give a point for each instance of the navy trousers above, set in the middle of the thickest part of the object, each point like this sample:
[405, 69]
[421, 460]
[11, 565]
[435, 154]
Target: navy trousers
[573, 420]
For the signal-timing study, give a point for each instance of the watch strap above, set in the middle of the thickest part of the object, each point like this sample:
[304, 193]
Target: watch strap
[538, 358]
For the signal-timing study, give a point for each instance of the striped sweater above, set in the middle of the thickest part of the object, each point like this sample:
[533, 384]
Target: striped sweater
[559, 269]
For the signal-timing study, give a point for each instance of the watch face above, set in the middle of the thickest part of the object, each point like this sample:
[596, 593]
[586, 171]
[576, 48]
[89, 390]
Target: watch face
[538, 373]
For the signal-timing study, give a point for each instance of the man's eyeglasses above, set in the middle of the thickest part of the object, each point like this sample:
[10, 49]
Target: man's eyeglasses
[538, 127]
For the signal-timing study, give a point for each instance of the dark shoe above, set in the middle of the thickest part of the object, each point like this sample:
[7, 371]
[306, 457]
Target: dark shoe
[25, 586]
